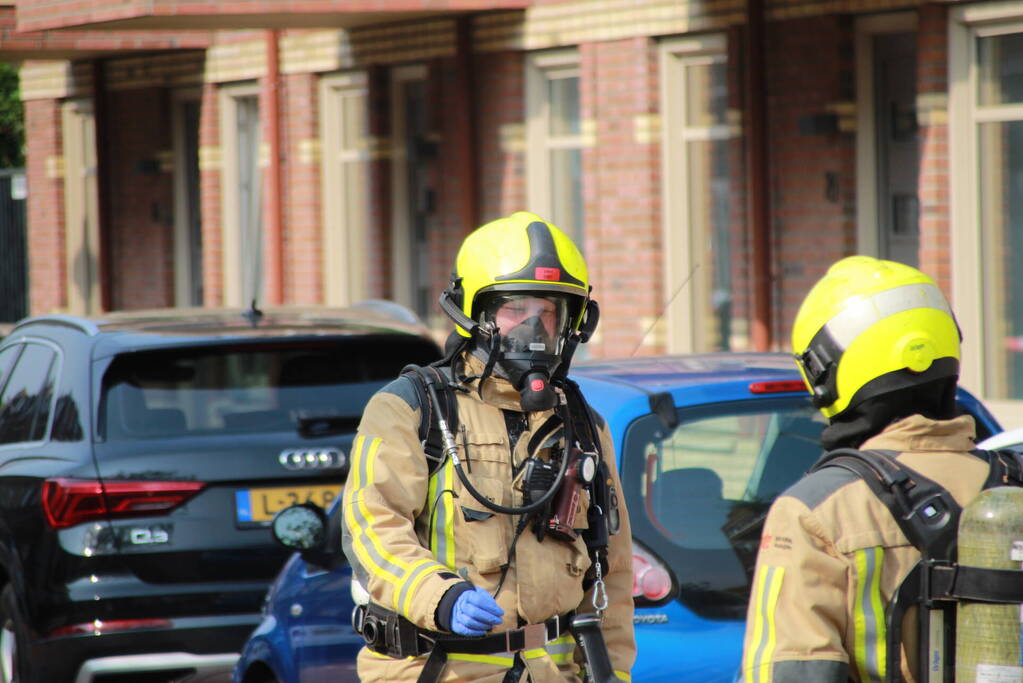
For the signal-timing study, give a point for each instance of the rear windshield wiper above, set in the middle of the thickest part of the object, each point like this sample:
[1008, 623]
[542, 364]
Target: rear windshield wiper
[311, 426]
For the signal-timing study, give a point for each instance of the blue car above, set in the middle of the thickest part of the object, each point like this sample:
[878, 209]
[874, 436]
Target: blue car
[704, 444]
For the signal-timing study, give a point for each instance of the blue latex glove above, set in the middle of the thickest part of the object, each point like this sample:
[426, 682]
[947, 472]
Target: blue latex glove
[474, 613]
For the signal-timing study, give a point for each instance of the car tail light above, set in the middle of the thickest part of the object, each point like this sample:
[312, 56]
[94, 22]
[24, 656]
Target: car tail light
[777, 386]
[67, 502]
[100, 626]
[651, 580]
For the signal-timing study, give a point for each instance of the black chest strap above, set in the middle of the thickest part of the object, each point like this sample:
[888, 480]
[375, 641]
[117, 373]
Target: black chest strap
[924, 510]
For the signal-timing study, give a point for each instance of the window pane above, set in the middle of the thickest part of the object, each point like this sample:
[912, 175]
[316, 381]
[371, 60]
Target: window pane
[710, 218]
[1001, 202]
[7, 358]
[25, 402]
[706, 94]
[166, 394]
[564, 102]
[1000, 69]
[698, 494]
[567, 193]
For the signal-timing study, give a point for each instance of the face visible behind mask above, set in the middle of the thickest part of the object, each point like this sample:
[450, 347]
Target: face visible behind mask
[529, 335]
[529, 351]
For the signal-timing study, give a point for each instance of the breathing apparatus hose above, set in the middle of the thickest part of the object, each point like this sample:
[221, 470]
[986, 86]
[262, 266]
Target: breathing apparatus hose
[451, 451]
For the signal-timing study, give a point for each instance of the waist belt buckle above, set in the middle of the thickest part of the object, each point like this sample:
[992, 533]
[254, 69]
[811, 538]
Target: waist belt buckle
[533, 636]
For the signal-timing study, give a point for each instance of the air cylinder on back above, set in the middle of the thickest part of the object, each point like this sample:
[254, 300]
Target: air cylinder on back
[988, 635]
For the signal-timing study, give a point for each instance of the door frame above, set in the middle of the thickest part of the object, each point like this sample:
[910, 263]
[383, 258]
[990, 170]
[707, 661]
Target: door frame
[402, 286]
[185, 271]
[867, 237]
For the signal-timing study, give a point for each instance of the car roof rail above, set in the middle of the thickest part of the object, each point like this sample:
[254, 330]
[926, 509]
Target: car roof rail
[81, 324]
[391, 309]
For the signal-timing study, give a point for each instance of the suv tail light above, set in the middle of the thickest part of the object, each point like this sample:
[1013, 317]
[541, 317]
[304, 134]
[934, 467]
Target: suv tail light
[67, 502]
[651, 580]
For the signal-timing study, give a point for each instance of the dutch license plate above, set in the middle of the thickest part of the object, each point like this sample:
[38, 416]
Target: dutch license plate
[258, 506]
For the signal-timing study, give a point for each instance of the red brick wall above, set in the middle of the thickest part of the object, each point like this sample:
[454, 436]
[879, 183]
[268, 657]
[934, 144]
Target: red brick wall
[932, 77]
[450, 181]
[45, 209]
[622, 194]
[300, 189]
[500, 101]
[812, 176]
[139, 197]
[209, 190]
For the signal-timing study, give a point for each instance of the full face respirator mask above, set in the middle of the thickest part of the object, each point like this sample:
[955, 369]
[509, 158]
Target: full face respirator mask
[530, 332]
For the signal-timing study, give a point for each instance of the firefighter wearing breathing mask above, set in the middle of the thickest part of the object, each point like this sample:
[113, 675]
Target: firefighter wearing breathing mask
[470, 559]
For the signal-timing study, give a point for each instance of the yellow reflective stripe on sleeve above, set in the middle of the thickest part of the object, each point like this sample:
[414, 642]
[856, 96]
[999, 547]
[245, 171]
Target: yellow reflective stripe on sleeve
[622, 676]
[757, 658]
[442, 521]
[417, 571]
[367, 545]
[496, 660]
[869, 631]
[413, 581]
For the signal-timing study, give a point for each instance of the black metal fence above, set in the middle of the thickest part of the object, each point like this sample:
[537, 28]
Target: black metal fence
[13, 246]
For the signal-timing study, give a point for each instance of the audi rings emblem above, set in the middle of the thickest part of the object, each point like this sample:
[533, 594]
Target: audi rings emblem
[313, 459]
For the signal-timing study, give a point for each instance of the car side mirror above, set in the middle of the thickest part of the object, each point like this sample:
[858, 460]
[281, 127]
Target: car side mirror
[300, 527]
[308, 530]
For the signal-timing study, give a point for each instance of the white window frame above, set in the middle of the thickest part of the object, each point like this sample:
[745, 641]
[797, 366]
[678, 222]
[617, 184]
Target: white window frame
[81, 207]
[344, 224]
[966, 24]
[541, 68]
[229, 179]
[685, 287]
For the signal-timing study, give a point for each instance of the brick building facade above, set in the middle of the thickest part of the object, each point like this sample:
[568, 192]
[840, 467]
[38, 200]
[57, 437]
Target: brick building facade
[712, 157]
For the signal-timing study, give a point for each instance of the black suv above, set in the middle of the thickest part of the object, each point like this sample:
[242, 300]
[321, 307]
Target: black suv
[142, 456]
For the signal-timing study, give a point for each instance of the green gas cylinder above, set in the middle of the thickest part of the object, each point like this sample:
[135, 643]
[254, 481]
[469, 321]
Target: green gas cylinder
[988, 635]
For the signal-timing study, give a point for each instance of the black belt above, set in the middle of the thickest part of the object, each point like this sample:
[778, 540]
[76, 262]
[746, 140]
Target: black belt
[522, 638]
[391, 634]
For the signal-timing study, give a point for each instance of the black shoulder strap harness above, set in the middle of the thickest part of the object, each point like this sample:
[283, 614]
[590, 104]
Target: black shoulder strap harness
[429, 423]
[929, 517]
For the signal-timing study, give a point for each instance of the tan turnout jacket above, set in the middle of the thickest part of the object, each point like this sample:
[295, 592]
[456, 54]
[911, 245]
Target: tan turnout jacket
[831, 556]
[411, 536]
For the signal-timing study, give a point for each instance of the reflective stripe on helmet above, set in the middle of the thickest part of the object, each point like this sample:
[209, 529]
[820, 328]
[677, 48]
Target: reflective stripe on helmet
[863, 313]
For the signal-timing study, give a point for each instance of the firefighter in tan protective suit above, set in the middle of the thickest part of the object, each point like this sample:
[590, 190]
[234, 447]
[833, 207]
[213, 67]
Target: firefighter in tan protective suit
[878, 347]
[466, 571]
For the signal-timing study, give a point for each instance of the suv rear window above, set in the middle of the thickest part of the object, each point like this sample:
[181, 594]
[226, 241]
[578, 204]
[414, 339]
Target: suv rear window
[249, 388]
[697, 495]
